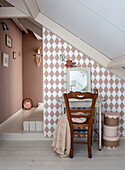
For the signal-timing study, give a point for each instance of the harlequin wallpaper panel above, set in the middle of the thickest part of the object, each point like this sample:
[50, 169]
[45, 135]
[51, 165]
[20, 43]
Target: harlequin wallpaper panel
[110, 87]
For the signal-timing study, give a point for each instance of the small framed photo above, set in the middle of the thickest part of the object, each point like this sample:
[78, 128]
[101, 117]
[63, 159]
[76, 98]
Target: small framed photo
[14, 55]
[8, 41]
[5, 60]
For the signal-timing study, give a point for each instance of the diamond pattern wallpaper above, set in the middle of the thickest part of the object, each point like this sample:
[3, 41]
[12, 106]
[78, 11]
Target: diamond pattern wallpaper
[110, 87]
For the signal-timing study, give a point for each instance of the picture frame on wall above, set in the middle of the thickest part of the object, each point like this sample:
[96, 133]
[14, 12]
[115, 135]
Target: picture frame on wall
[5, 60]
[14, 55]
[8, 41]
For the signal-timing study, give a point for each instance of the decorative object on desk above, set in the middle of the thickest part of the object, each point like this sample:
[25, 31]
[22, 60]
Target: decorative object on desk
[110, 130]
[27, 103]
[5, 60]
[62, 57]
[8, 41]
[14, 55]
[70, 64]
[73, 83]
[80, 77]
[38, 58]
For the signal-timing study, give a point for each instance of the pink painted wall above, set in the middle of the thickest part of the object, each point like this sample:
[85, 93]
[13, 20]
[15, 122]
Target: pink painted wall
[11, 77]
[110, 87]
[32, 75]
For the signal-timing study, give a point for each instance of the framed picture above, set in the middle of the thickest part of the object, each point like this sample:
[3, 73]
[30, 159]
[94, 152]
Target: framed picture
[14, 55]
[5, 60]
[78, 79]
[8, 41]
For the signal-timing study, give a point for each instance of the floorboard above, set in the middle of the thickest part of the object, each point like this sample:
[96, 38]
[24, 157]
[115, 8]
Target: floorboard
[39, 155]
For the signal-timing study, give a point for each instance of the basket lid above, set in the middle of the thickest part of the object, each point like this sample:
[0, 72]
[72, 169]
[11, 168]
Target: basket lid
[111, 115]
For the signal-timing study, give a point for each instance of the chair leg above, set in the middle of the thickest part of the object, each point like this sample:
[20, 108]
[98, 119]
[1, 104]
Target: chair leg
[91, 136]
[89, 141]
[71, 153]
[71, 149]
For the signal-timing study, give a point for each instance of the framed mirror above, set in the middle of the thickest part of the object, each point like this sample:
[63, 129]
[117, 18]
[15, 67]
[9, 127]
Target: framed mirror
[78, 79]
[27, 103]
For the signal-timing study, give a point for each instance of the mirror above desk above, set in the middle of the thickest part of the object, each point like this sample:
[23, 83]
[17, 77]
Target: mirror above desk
[78, 79]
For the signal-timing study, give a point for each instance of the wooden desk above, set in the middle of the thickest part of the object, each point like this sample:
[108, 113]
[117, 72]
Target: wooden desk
[87, 103]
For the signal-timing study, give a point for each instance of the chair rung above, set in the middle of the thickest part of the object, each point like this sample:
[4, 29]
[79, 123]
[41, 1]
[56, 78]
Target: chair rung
[80, 142]
[80, 130]
[78, 133]
[79, 125]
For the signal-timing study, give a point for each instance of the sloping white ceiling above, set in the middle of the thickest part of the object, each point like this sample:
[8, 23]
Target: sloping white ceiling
[100, 23]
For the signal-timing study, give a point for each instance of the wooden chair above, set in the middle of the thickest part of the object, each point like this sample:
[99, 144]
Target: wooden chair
[86, 127]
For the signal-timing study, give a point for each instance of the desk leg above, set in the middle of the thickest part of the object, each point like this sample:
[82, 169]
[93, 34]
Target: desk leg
[62, 108]
[95, 127]
[100, 128]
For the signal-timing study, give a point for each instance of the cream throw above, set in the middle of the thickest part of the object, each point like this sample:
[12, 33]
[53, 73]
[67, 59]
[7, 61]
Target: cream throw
[61, 139]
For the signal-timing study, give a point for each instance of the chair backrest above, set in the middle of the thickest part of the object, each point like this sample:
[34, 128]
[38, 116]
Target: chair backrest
[81, 112]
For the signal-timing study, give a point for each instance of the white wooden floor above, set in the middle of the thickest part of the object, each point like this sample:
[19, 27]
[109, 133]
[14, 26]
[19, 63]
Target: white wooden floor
[39, 155]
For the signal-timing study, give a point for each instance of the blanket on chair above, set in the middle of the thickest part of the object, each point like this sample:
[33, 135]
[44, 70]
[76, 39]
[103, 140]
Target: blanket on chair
[61, 139]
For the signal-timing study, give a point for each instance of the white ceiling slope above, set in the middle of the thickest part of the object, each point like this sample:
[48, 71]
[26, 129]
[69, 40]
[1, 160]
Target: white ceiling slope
[96, 28]
[99, 23]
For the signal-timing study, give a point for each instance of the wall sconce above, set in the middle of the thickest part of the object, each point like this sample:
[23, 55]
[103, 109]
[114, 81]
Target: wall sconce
[38, 50]
[4, 26]
[38, 55]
